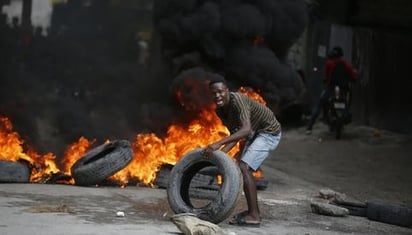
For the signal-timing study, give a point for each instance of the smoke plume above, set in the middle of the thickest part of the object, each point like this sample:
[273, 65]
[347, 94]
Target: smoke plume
[245, 41]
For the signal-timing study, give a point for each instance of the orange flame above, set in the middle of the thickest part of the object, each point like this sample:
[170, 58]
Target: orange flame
[10, 143]
[251, 93]
[150, 151]
[74, 152]
[44, 166]
[11, 149]
[258, 174]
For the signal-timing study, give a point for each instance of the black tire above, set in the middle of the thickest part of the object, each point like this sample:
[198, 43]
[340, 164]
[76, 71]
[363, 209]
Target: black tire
[350, 203]
[205, 181]
[390, 213]
[355, 209]
[14, 172]
[208, 174]
[101, 162]
[261, 184]
[211, 171]
[187, 167]
[203, 193]
[162, 176]
[202, 179]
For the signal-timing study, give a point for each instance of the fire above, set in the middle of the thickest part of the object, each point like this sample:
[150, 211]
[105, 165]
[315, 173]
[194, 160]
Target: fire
[74, 152]
[11, 149]
[44, 166]
[258, 174]
[10, 143]
[251, 93]
[150, 151]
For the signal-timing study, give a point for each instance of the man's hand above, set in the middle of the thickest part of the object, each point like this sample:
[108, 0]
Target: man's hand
[210, 149]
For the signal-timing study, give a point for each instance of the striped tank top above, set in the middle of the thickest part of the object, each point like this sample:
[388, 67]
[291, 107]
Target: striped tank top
[242, 107]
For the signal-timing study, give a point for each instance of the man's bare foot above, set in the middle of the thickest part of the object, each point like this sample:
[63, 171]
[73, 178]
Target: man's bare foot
[243, 219]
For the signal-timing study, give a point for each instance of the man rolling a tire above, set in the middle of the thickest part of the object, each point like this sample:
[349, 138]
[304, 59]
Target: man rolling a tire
[257, 127]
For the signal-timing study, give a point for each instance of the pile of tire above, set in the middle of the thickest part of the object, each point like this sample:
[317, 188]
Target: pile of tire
[187, 170]
[101, 162]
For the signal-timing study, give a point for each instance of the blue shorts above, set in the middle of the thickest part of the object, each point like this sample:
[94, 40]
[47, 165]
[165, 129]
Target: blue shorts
[256, 151]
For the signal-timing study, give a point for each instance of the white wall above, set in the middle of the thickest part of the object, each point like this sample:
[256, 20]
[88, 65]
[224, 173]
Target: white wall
[40, 15]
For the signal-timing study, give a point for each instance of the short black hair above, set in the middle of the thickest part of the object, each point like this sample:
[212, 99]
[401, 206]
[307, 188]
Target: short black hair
[217, 78]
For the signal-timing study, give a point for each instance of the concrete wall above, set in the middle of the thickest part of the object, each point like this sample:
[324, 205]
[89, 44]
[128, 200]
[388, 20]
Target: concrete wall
[383, 93]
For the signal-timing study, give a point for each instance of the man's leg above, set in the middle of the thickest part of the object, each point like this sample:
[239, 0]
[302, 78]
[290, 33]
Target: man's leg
[249, 188]
[252, 158]
[323, 101]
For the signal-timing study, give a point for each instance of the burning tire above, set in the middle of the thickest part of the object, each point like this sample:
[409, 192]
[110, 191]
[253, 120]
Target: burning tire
[14, 172]
[101, 162]
[222, 205]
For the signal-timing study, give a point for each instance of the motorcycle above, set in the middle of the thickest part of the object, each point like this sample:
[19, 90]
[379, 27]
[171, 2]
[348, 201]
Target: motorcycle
[338, 113]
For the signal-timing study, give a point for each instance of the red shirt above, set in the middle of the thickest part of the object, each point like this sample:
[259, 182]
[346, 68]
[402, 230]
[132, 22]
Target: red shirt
[330, 65]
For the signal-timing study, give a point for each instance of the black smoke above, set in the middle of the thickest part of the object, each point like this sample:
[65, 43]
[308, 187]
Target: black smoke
[83, 78]
[247, 41]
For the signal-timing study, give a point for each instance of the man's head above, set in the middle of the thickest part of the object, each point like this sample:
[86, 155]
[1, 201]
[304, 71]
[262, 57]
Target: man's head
[336, 52]
[219, 89]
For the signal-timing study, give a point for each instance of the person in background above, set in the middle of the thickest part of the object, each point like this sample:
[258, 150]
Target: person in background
[338, 72]
[256, 126]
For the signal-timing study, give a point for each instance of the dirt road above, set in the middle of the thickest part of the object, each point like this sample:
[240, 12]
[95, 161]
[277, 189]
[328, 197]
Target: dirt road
[364, 164]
